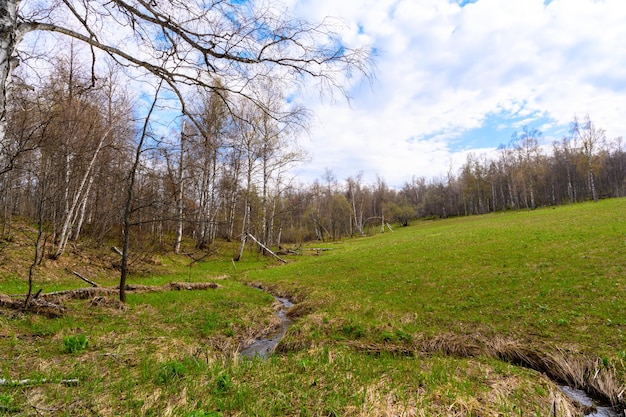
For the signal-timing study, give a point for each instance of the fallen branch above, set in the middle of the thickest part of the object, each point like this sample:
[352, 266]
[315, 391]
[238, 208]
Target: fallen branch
[267, 249]
[288, 252]
[318, 250]
[93, 284]
[31, 382]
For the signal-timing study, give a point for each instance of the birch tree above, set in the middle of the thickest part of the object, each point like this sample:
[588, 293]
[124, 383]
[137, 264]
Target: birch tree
[207, 148]
[214, 45]
[356, 198]
[277, 151]
[590, 137]
[222, 47]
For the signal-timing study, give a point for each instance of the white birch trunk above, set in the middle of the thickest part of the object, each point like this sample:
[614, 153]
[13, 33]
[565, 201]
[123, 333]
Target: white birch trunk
[70, 212]
[82, 210]
[179, 231]
[9, 37]
[213, 207]
[264, 203]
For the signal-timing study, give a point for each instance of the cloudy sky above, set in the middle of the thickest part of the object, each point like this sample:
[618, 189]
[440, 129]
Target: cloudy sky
[459, 76]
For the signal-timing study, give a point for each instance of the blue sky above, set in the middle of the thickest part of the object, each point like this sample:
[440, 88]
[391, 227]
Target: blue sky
[459, 76]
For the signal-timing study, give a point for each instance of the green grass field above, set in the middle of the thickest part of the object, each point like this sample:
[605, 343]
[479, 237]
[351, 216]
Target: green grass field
[425, 320]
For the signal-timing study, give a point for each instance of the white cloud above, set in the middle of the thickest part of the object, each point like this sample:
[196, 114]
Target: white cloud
[442, 69]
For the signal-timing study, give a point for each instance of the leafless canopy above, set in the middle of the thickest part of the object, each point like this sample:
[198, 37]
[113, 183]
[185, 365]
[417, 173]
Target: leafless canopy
[224, 46]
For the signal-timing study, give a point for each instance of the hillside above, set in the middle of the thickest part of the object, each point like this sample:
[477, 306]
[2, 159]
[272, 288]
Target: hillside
[480, 315]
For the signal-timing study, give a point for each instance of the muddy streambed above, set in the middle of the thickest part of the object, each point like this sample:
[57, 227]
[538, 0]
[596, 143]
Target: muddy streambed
[264, 346]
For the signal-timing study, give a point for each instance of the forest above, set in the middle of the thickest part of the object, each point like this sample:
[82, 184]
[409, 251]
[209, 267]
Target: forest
[70, 149]
[85, 152]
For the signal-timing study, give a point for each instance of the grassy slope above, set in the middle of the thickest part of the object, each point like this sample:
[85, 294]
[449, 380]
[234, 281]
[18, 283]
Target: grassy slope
[553, 275]
[550, 277]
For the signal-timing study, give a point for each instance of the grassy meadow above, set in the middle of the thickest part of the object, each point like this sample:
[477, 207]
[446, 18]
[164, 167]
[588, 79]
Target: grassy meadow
[445, 317]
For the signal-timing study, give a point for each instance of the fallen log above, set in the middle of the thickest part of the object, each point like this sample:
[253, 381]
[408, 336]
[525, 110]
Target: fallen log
[37, 306]
[49, 304]
[192, 285]
[266, 248]
[80, 293]
[86, 293]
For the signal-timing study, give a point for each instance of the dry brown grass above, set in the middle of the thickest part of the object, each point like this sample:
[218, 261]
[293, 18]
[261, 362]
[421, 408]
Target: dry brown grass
[573, 369]
[381, 401]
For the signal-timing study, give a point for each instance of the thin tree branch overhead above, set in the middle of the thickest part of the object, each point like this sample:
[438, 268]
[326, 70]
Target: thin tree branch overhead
[204, 44]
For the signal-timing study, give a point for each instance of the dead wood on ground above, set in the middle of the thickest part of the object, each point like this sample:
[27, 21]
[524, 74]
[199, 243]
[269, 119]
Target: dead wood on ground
[50, 304]
[35, 305]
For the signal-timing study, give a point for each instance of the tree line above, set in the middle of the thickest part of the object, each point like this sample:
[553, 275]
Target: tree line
[86, 157]
[71, 147]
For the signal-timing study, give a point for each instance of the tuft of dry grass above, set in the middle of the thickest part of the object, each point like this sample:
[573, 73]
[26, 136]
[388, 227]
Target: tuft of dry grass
[575, 370]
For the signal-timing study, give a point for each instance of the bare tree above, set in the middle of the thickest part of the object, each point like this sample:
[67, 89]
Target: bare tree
[209, 151]
[214, 45]
[180, 204]
[526, 144]
[131, 181]
[356, 198]
[277, 151]
[590, 138]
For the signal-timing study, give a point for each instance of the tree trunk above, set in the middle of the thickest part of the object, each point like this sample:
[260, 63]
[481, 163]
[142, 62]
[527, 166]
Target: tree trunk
[570, 187]
[592, 185]
[128, 208]
[82, 210]
[9, 37]
[31, 270]
[70, 212]
[180, 205]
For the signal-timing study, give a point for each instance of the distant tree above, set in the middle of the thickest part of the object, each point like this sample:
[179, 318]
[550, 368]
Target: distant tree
[356, 197]
[400, 211]
[614, 168]
[526, 144]
[590, 137]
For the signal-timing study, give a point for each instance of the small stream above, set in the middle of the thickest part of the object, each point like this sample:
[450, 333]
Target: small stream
[586, 400]
[265, 346]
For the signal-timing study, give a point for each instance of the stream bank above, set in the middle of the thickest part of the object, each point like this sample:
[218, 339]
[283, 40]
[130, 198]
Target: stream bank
[555, 365]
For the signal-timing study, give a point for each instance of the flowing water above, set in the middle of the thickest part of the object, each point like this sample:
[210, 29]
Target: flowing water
[584, 399]
[264, 347]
